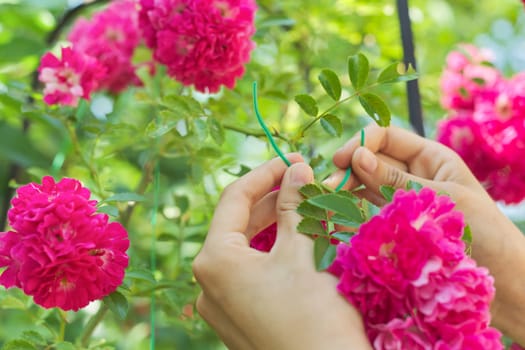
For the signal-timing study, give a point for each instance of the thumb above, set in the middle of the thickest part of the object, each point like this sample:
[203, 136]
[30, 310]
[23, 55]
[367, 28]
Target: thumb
[374, 172]
[289, 198]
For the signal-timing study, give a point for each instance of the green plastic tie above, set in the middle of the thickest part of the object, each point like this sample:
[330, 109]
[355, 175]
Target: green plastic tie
[265, 128]
[153, 252]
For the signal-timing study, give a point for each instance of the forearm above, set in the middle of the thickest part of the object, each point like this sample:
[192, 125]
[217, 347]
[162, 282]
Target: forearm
[509, 306]
[504, 255]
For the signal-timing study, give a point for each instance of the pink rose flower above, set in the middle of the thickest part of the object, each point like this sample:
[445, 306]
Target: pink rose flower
[69, 78]
[203, 43]
[60, 251]
[111, 37]
[401, 334]
[467, 78]
[452, 300]
[264, 240]
[486, 122]
[407, 273]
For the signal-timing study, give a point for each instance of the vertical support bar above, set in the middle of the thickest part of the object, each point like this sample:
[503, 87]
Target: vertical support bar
[412, 87]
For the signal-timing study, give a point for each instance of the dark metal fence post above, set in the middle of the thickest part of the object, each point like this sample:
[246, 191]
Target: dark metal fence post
[413, 95]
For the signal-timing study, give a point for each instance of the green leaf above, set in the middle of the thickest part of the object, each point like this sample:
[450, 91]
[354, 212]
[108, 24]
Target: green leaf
[414, 185]
[332, 125]
[479, 81]
[242, 171]
[311, 190]
[324, 253]
[20, 47]
[118, 304]
[141, 274]
[276, 95]
[183, 203]
[396, 72]
[19, 344]
[65, 345]
[343, 236]
[19, 148]
[109, 209]
[216, 130]
[197, 172]
[308, 210]
[307, 104]
[343, 220]
[331, 84]
[376, 108]
[369, 209]
[464, 92]
[200, 127]
[358, 70]
[125, 197]
[311, 226]
[209, 152]
[338, 204]
[167, 237]
[320, 246]
[318, 164]
[183, 106]
[34, 337]
[11, 302]
[467, 238]
[387, 192]
[167, 123]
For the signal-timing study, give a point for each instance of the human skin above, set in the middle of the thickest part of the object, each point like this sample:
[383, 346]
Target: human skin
[276, 300]
[393, 156]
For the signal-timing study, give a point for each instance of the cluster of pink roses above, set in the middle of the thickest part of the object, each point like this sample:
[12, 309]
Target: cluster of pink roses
[486, 121]
[407, 273]
[60, 251]
[100, 57]
[202, 43]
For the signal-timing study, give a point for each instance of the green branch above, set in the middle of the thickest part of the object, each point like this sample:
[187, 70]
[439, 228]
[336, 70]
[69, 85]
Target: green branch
[300, 133]
[253, 132]
[92, 324]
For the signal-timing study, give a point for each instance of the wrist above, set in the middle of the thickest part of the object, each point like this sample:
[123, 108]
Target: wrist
[508, 307]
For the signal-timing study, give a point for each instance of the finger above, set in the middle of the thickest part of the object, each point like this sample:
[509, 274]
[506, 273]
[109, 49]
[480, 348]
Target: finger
[401, 145]
[232, 213]
[337, 177]
[288, 200]
[214, 315]
[374, 172]
[372, 196]
[263, 215]
[343, 157]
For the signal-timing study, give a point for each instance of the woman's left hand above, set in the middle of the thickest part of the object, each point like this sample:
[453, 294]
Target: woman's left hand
[274, 300]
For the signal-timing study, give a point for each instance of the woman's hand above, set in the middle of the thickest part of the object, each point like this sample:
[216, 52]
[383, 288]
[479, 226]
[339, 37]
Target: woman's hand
[394, 156]
[274, 300]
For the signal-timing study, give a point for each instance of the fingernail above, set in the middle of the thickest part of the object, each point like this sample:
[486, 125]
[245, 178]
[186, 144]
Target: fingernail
[368, 161]
[329, 179]
[334, 179]
[299, 174]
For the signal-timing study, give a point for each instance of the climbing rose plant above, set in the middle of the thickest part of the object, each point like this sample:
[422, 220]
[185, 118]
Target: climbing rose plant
[64, 251]
[202, 43]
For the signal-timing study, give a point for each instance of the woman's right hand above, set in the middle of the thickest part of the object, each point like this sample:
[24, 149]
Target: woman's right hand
[393, 156]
